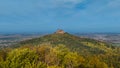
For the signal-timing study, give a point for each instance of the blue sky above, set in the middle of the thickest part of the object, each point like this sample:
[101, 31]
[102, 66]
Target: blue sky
[49, 15]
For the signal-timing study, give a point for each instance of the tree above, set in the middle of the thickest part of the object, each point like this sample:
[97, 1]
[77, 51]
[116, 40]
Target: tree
[20, 58]
[73, 60]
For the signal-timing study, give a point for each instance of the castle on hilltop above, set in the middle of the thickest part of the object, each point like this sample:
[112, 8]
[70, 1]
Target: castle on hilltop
[59, 31]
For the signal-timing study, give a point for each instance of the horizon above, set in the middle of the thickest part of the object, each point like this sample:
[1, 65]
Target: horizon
[51, 32]
[46, 16]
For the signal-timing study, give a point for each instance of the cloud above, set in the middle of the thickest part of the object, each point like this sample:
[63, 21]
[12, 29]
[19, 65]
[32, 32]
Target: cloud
[67, 12]
[114, 4]
[38, 9]
[68, 3]
[51, 4]
[105, 7]
[27, 6]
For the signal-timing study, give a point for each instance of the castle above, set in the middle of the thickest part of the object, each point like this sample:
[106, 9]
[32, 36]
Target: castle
[59, 31]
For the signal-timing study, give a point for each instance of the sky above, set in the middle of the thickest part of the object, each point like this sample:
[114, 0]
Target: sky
[50, 15]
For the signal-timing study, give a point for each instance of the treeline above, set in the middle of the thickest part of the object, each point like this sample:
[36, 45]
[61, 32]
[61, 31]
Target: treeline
[47, 56]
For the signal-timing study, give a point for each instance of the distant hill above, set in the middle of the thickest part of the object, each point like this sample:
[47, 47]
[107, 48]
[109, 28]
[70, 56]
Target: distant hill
[82, 45]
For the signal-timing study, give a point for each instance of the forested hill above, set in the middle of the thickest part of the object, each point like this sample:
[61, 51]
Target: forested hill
[82, 45]
[60, 50]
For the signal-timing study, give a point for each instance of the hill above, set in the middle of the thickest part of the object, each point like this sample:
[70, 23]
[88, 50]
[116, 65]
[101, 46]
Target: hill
[82, 45]
[60, 50]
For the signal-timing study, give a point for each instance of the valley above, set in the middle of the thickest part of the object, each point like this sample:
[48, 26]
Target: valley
[7, 40]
